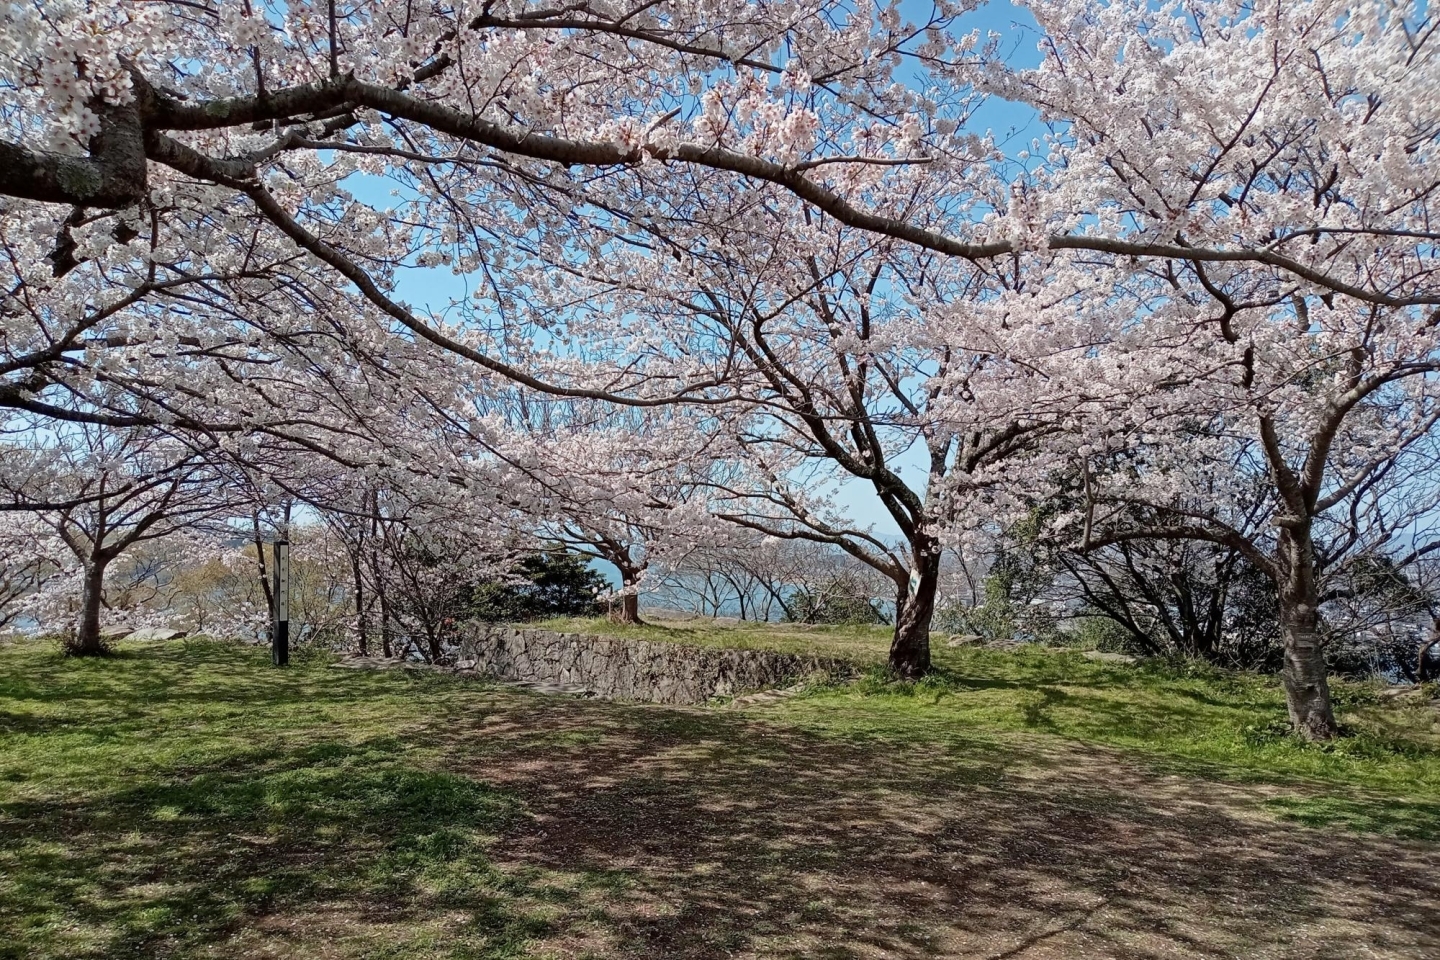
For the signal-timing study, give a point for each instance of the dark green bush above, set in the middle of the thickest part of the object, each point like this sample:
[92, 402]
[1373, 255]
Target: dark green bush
[550, 584]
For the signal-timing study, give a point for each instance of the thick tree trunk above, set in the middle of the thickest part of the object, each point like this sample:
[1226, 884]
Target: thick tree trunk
[87, 641]
[910, 649]
[629, 609]
[1307, 692]
[1307, 689]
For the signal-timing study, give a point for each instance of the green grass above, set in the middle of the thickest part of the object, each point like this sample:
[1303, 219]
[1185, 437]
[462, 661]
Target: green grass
[187, 801]
[151, 801]
[1183, 718]
[1180, 716]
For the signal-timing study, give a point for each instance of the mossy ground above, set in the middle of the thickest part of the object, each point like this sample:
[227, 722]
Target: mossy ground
[186, 800]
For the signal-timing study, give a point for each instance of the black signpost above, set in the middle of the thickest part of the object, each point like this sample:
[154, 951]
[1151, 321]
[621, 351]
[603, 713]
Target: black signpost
[280, 632]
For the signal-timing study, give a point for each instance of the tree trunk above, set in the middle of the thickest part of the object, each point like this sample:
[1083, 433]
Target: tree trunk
[910, 649]
[87, 641]
[1307, 690]
[387, 632]
[372, 500]
[265, 590]
[629, 611]
[1422, 659]
[362, 625]
[630, 608]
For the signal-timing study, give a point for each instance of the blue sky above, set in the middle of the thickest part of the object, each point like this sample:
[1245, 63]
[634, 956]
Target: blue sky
[434, 289]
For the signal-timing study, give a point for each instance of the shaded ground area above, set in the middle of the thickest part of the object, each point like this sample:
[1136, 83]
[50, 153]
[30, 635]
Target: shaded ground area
[188, 801]
[767, 842]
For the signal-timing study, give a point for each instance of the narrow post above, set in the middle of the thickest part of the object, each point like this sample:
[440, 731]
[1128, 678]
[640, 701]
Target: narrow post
[280, 635]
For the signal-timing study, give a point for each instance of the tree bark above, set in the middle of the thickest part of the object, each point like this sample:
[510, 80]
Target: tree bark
[1422, 658]
[629, 608]
[113, 176]
[629, 611]
[362, 624]
[87, 641]
[264, 574]
[910, 648]
[387, 647]
[1307, 689]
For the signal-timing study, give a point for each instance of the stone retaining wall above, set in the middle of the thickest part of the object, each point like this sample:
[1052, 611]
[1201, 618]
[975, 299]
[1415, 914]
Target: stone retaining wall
[629, 669]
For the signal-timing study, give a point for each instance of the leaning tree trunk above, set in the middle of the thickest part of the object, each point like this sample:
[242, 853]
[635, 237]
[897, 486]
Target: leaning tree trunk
[910, 649]
[87, 641]
[1307, 688]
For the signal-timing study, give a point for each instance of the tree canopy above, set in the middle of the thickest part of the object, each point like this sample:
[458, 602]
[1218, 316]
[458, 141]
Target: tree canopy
[695, 265]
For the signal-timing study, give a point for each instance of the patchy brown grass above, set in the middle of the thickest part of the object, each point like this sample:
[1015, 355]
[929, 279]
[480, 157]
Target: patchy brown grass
[734, 838]
[190, 802]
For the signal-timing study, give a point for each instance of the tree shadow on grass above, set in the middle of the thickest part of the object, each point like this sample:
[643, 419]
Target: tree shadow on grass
[1405, 818]
[173, 867]
[488, 824]
[736, 839]
[134, 678]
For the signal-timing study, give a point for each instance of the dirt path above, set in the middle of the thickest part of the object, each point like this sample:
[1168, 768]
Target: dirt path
[732, 837]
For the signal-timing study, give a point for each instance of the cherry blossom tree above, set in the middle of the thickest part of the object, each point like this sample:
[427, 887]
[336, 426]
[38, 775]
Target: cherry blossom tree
[215, 154]
[414, 538]
[1283, 127]
[700, 203]
[845, 359]
[621, 485]
[1165, 196]
[31, 556]
[101, 229]
[103, 492]
[1351, 484]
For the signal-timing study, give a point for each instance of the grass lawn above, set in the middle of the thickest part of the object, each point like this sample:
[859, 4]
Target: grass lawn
[185, 800]
[1181, 717]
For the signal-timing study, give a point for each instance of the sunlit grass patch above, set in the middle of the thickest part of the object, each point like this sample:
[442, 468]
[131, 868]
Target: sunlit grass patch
[153, 802]
[1184, 718]
[1414, 820]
